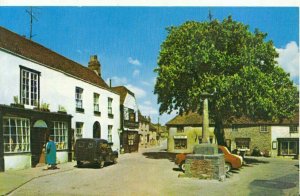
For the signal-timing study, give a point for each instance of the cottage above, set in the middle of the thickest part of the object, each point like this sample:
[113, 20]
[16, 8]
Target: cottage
[129, 120]
[185, 131]
[279, 138]
[43, 92]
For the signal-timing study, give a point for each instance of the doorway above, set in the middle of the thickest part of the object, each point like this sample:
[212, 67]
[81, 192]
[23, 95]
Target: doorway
[96, 130]
[39, 137]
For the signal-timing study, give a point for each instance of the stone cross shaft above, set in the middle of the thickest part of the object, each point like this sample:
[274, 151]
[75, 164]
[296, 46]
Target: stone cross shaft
[205, 122]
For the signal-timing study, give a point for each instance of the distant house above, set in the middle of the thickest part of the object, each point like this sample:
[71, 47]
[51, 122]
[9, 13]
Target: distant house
[185, 131]
[42, 93]
[271, 138]
[129, 137]
[144, 130]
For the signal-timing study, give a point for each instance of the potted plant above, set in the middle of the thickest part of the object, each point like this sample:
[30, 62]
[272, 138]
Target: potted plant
[16, 103]
[62, 109]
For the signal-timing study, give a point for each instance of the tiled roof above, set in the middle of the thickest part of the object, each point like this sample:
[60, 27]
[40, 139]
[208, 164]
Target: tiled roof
[143, 118]
[122, 90]
[196, 119]
[192, 118]
[19, 45]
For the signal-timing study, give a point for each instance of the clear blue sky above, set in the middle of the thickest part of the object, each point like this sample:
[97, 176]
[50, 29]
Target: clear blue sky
[127, 39]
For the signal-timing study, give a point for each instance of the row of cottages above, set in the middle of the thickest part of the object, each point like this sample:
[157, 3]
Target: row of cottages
[271, 138]
[45, 93]
[148, 133]
[129, 138]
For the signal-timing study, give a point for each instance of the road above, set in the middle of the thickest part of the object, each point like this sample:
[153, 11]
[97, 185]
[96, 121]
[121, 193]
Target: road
[152, 172]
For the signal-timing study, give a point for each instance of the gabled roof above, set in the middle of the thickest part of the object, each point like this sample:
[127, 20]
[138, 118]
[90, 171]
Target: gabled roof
[19, 45]
[143, 118]
[122, 91]
[193, 118]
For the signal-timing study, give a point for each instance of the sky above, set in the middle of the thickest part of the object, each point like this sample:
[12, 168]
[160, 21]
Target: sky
[127, 39]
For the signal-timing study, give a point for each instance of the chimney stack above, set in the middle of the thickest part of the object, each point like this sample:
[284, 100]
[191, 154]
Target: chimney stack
[95, 65]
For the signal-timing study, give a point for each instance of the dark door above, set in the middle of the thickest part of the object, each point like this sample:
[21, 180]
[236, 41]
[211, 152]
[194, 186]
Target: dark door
[38, 143]
[96, 130]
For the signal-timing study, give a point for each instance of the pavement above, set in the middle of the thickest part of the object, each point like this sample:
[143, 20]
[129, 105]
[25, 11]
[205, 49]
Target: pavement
[13, 179]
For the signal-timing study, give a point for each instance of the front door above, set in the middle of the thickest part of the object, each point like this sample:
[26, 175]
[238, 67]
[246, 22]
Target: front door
[38, 143]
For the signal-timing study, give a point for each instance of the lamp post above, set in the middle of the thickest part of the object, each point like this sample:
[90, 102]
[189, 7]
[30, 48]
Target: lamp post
[205, 117]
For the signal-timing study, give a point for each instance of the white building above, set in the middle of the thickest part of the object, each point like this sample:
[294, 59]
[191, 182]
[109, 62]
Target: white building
[41, 79]
[129, 120]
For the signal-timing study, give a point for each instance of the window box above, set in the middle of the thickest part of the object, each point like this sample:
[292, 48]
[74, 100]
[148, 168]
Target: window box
[80, 110]
[17, 105]
[110, 116]
[97, 113]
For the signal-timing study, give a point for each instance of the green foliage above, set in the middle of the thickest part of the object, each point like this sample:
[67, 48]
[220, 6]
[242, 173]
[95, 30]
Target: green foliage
[199, 57]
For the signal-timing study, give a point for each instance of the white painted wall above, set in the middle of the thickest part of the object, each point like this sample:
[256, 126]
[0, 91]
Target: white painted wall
[130, 102]
[57, 88]
[282, 132]
[17, 162]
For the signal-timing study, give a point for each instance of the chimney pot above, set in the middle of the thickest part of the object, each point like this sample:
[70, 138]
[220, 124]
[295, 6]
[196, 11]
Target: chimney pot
[95, 65]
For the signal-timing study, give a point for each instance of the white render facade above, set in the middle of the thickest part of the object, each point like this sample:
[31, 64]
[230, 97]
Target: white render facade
[58, 88]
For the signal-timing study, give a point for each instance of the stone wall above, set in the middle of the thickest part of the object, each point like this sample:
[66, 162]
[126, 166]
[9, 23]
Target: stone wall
[259, 139]
[205, 166]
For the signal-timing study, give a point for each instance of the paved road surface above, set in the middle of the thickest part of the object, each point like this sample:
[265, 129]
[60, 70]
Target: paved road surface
[152, 172]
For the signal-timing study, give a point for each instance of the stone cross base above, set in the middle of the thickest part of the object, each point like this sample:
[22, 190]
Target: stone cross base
[205, 166]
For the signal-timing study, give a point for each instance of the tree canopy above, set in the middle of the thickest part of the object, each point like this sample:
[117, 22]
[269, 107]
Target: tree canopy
[241, 65]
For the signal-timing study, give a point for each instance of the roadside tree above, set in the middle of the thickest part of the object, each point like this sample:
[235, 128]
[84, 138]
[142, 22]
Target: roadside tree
[241, 65]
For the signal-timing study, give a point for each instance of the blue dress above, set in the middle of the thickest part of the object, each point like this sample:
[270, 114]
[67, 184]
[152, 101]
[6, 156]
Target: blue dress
[51, 153]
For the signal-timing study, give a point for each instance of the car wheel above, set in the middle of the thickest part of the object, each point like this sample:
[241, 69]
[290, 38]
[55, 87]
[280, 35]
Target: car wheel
[227, 167]
[79, 164]
[115, 160]
[101, 164]
[182, 166]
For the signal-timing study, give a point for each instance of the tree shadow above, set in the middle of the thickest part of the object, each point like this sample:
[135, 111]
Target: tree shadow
[273, 186]
[253, 161]
[160, 155]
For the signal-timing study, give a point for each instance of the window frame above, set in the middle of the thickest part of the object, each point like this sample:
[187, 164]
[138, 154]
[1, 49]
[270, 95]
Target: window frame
[234, 128]
[263, 129]
[60, 135]
[32, 86]
[78, 129]
[109, 133]
[182, 141]
[78, 99]
[109, 107]
[293, 129]
[22, 131]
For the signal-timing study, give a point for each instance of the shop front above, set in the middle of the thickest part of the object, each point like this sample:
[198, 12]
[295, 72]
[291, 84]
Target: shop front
[24, 133]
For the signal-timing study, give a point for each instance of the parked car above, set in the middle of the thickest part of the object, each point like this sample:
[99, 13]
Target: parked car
[231, 160]
[94, 151]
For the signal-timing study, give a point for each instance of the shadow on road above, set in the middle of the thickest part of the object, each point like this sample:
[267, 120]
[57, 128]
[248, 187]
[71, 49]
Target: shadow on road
[93, 165]
[273, 186]
[254, 161]
[160, 155]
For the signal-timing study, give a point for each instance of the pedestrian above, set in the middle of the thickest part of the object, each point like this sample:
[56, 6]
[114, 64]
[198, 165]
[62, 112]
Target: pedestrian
[51, 153]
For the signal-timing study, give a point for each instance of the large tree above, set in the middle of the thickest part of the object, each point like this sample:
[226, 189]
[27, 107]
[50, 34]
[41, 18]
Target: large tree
[241, 65]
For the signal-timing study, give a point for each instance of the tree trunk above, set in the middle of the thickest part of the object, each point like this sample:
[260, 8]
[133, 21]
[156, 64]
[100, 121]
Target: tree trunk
[219, 132]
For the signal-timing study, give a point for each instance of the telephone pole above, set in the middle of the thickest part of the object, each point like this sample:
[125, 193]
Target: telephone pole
[32, 17]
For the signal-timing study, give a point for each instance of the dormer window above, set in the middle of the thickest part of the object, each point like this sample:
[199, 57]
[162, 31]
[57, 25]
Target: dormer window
[29, 86]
